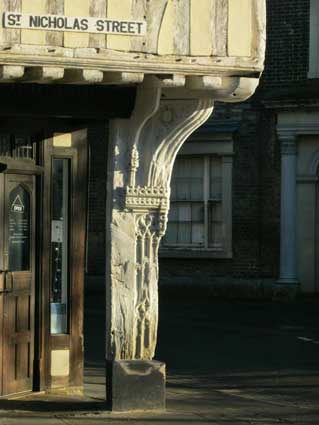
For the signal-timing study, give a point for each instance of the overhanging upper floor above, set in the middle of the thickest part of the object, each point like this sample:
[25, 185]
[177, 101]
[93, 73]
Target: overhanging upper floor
[118, 42]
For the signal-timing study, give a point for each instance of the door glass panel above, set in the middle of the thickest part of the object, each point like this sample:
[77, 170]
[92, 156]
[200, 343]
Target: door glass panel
[22, 147]
[5, 145]
[60, 246]
[16, 146]
[19, 229]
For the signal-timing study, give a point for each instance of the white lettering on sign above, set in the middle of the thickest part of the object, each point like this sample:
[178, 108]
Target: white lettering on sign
[69, 24]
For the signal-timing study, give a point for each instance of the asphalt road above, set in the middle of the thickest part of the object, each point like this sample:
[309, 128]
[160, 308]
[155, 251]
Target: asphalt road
[233, 362]
[220, 336]
[217, 336]
[228, 363]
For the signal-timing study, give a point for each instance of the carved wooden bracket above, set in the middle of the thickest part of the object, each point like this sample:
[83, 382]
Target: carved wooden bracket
[142, 155]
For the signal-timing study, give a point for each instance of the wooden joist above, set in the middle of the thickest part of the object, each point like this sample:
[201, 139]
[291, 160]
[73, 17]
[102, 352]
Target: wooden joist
[82, 76]
[204, 83]
[10, 73]
[124, 78]
[43, 75]
[174, 80]
[221, 88]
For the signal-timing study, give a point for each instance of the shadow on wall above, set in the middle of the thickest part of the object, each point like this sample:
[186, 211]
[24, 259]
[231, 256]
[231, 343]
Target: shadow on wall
[94, 322]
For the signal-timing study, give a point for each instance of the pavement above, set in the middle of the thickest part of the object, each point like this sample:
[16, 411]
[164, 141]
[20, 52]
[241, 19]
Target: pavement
[228, 363]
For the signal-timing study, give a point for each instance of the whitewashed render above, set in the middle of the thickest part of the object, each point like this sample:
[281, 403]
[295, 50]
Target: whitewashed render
[193, 53]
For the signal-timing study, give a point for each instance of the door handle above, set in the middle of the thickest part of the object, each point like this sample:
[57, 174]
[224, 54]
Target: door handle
[5, 281]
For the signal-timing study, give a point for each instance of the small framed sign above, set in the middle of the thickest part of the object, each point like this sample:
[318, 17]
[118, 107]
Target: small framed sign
[74, 24]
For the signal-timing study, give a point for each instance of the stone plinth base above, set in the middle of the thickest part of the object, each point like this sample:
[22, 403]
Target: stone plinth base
[135, 385]
[286, 290]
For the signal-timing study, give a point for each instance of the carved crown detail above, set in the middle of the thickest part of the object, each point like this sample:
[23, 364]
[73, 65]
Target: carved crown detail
[140, 198]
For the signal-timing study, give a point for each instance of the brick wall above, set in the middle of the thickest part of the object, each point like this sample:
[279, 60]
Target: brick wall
[287, 43]
[256, 167]
[256, 201]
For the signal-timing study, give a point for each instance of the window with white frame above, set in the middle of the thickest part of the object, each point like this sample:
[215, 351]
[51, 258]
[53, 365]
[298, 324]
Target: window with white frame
[200, 213]
[314, 40]
[195, 217]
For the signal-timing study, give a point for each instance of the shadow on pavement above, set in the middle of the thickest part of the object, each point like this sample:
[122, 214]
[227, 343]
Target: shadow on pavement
[228, 362]
[51, 405]
[227, 337]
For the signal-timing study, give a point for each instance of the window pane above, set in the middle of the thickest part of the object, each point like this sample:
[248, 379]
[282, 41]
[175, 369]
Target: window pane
[198, 212]
[186, 219]
[5, 145]
[197, 167]
[197, 175]
[173, 212]
[19, 230]
[196, 189]
[217, 234]
[15, 146]
[215, 178]
[216, 224]
[184, 233]
[198, 234]
[182, 179]
[171, 234]
[173, 189]
[187, 181]
[187, 224]
[60, 246]
[183, 189]
[184, 212]
[217, 211]
[22, 147]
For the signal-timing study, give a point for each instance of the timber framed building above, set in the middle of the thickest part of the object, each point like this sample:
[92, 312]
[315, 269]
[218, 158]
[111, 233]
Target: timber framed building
[142, 82]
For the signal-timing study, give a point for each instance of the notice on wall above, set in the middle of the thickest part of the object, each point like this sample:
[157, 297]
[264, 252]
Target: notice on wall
[57, 231]
[19, 229]
[73, 24]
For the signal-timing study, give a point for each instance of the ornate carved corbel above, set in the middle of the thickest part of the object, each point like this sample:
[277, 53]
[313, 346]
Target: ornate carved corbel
[145, 148]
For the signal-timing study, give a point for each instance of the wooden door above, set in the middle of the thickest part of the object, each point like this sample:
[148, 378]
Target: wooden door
[17, 282]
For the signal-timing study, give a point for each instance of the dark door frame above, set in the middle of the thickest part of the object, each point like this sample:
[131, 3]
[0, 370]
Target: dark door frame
[43, 341]
[20, 168]
[73, 341]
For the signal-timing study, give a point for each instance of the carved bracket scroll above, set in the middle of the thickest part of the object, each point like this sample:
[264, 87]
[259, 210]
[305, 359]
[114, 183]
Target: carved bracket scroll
[144, 150]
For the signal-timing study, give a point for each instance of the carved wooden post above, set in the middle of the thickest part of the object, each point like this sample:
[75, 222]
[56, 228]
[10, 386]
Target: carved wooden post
[143, 150]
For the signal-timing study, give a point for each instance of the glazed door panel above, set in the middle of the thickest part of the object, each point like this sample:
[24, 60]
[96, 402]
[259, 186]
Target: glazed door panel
[17, 281]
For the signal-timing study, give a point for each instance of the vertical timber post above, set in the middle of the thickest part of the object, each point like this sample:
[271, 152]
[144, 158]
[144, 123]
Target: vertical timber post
[142, 154]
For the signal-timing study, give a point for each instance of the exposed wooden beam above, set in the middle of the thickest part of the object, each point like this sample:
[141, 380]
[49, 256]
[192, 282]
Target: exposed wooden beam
[43, 75]
[174, 80]
[82, 76]
[11, 72]
[205, 82]
[123, 78]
